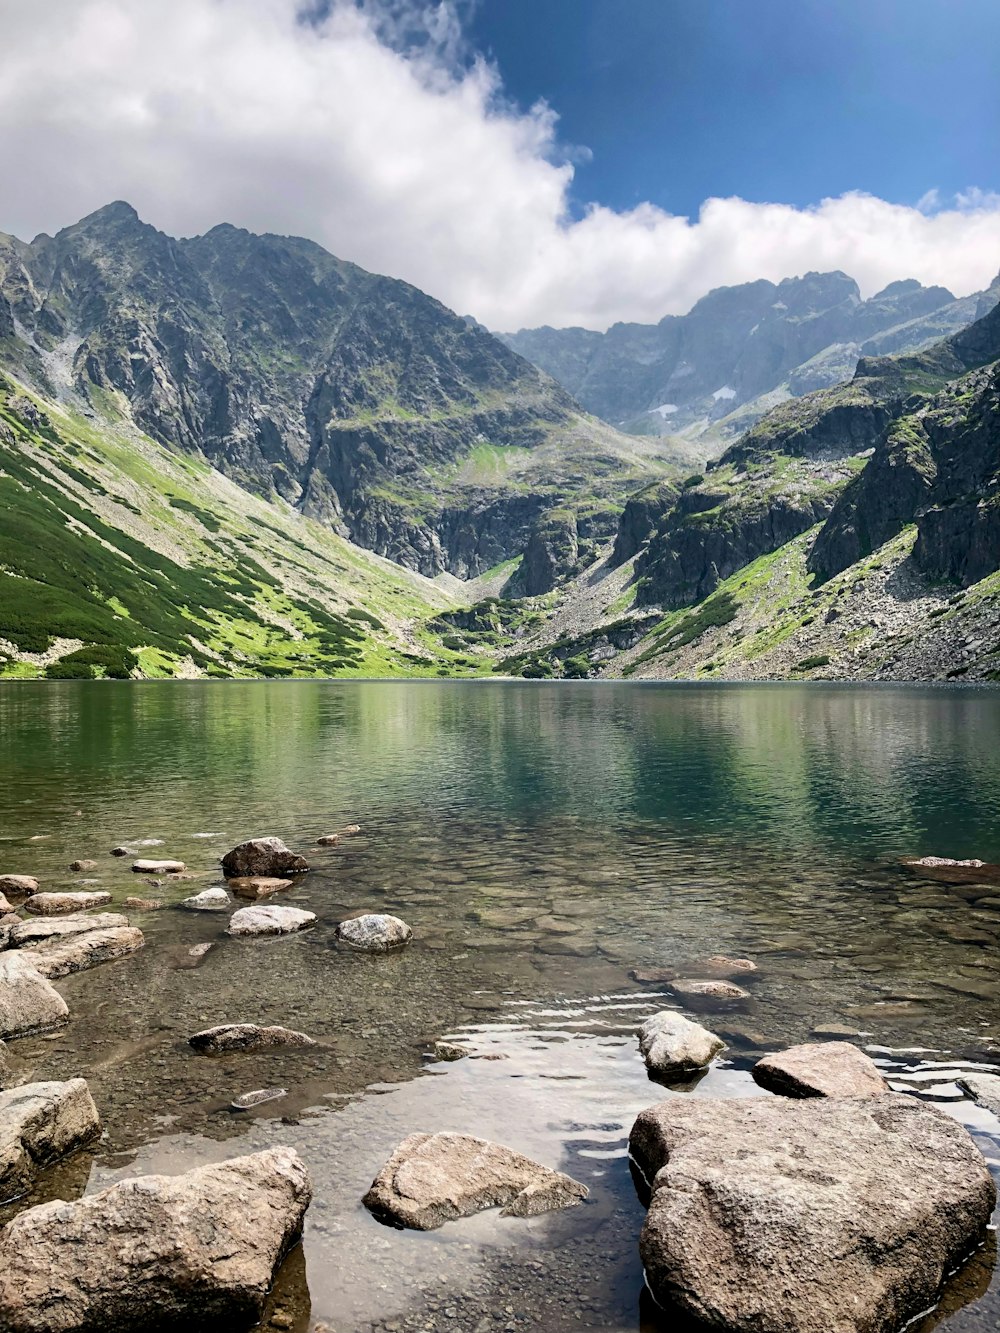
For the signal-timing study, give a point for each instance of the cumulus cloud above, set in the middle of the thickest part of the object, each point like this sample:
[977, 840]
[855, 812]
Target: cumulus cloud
[373, 130]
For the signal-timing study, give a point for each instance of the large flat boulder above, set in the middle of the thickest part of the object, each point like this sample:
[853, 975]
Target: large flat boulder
[56, 904]
[374, 932]
[269, 920]
[146, 867]
[245, 1037]
[672, 1045]
[434, 1178]
[820, 1069]
[28, 1003]
[56, 957]
[262, 856]
[26, 934]
[159, 1253]
[771, 1215]
[39, 1123]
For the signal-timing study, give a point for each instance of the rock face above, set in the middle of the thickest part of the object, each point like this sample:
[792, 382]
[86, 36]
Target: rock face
[820, 1069]
[198, 1250]
[39, 1123]
[262, 856]
[28, 1003]
[374, 932]
[434, 1178]
[75, 953]
[54, 904]
[825, 1216]
[269, 920]
[245, 1037]
[18, 886]
[209, 900]
[672, 1045]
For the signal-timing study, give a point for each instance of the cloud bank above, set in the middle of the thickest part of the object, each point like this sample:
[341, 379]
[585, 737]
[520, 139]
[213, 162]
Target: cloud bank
[372, 131]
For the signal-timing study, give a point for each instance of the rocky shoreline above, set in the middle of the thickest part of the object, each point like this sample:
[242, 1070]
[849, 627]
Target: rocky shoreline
[829, 1162]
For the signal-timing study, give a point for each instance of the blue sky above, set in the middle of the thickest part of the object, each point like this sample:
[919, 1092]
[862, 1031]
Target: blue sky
[526, 161]
[787, 100]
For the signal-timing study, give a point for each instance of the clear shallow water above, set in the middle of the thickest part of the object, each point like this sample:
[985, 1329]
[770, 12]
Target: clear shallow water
[543, 841]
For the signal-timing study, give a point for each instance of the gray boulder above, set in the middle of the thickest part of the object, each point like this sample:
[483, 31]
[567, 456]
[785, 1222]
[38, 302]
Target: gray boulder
[209, 900]
[39, 1123]
[707, 992]
[262, 856]
[434, 1178]
[56, 904]
[157, 1253]
[28, 1003]
[984, 1089]
[57, 957]
[80, 866]
[269, 920]
[820, 1069]
[245, 1037]
[374, 932]
[824, 1216]
[144, 867]
[672, 1045]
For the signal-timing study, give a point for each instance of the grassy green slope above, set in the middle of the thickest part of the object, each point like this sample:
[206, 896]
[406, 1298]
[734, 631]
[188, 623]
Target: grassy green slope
[120, 558]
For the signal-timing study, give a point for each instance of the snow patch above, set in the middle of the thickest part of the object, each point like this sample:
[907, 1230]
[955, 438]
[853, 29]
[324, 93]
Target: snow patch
[664, 410]
[726, 392]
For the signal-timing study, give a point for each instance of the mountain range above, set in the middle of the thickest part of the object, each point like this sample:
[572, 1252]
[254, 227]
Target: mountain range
[706, 376]
[239, 455]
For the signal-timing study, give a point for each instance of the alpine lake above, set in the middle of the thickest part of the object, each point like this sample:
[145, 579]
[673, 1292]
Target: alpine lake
[543, 841]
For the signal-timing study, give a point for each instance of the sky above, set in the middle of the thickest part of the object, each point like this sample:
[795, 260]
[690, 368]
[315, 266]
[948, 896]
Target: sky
[526, 161]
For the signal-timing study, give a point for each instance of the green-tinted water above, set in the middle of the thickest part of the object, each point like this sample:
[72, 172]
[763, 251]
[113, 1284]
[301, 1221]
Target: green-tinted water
[542, 841]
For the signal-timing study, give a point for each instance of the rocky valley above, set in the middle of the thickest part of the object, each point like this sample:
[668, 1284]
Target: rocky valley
[238, 455]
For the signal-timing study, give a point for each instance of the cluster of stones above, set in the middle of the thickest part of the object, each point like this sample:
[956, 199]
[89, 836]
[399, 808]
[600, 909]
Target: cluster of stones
[159, 1251]
[831, 1204]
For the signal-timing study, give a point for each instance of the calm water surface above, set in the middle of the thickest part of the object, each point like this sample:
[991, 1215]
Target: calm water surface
[543, 841]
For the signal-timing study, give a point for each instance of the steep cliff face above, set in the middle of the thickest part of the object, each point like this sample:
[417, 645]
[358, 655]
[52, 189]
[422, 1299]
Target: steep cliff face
[357, 398]
[934, 465]
[909, 439]
[693, 373]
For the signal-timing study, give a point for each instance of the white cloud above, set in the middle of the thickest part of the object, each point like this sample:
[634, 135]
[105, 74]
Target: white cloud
[401, 155]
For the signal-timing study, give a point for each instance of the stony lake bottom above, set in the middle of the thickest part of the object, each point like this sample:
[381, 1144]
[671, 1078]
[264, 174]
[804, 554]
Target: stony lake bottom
[542, 841]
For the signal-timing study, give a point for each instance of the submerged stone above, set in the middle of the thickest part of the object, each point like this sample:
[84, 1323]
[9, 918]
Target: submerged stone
[59, 957]
[258, 886]
[248, 1100]
[245, 1037]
